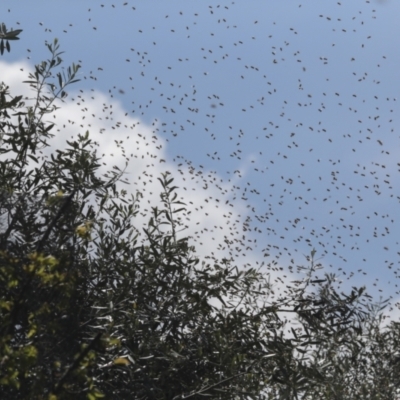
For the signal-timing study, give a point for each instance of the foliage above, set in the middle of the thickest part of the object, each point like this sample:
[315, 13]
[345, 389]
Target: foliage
[6, 36]
[90, 308]
[43, 267]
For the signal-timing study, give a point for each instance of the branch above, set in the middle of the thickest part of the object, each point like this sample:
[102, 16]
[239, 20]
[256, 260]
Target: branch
[76, 363]
[17, 304]
[46, 235]
[220, 382]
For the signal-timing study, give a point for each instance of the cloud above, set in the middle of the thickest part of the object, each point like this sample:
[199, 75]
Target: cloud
[213, 220]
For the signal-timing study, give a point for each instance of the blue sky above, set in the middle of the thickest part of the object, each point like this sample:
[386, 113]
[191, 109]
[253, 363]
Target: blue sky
[286, 110]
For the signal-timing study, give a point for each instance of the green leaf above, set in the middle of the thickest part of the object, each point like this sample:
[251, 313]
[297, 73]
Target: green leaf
[11, 35]
[60, 80]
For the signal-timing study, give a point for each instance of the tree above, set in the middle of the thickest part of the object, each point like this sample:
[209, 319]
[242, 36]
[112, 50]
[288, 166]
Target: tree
[91, 308]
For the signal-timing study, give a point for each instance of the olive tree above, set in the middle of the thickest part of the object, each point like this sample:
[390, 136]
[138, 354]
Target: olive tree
[94, 307]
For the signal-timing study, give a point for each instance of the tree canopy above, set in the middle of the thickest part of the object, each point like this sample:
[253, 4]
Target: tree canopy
[91, 307]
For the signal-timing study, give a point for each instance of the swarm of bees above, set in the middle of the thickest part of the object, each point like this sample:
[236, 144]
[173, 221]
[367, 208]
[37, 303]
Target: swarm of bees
[278, 123]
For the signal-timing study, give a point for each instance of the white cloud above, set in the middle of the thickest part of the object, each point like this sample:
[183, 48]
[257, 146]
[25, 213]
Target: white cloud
[211, 217]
